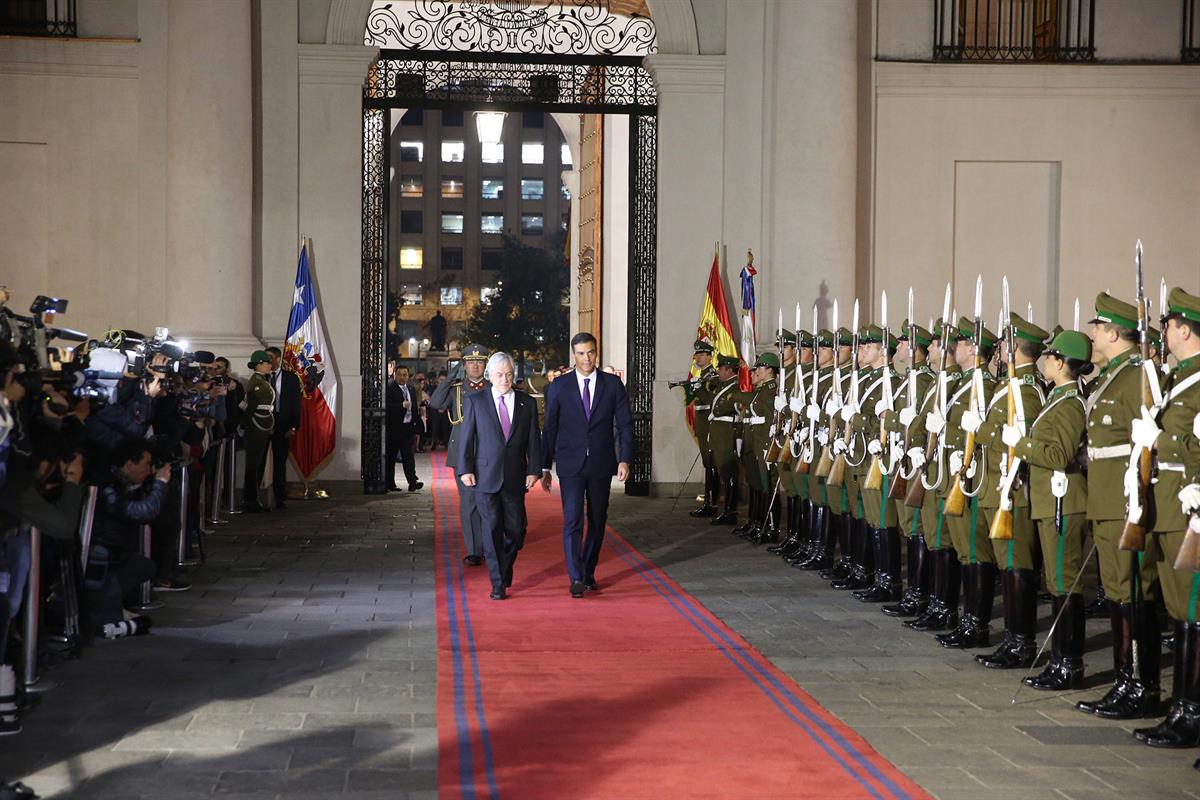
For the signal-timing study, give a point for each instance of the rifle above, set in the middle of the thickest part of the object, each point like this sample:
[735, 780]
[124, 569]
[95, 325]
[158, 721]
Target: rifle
[1002, 523]
[956, 501]
[915, 498]
[876, 471]
[898, 486]
[774, 449]
[837, 473]
[789, 455]
[825, 463]
[1141, 514]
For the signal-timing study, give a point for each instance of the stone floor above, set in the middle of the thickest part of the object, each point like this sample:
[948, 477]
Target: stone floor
[302, 665]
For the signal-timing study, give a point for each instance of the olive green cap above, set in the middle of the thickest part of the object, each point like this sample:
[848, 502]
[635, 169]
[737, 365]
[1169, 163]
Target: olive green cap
[844, 337]
[806, 339]
[767, 359]
[474, 352]
[1184, 304]
[258, 357]
[1116, 312]
[873, 334]
[923, 337]
[728, 361]
[1071, 344]
[1153, 336]
[1057, 330]
[825, 338]
[701, 346]
[966, 331]
[1027, 330]
[788, 337]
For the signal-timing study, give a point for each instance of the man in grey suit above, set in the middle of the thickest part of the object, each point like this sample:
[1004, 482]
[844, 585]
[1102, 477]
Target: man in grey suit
[499, 454]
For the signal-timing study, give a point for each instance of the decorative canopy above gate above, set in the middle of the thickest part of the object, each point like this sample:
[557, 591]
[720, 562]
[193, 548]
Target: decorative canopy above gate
[536, 27]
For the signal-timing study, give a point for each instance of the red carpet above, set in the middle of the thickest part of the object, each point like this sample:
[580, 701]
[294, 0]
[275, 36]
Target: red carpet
[635, 691]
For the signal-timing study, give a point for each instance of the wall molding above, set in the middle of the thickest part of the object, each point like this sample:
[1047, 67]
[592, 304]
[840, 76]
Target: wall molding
[335, 64]
[687, 74]
[83, 58]
[901, 79]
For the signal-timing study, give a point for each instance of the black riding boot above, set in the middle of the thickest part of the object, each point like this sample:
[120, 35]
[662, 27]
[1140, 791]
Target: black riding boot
[979, 593]
[920, 571]
[942, 611]
[751, 511]
[862, 555]
[791, 534]
[840, 525]
[1020, 620]
[1065, 670]
[729, 512]
[1181, 728]
[886, 587]
[803, 549]
[1132, 695]
[768, 533]
[823, 541]
[711, 484]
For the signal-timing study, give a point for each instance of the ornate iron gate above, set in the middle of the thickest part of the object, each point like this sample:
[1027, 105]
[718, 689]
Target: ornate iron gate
[403, 79]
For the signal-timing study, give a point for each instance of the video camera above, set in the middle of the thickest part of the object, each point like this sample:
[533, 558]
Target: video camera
[140, 353]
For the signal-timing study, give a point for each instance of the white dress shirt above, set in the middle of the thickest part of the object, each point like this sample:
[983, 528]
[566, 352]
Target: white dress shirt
[508, 403]
[591, 379]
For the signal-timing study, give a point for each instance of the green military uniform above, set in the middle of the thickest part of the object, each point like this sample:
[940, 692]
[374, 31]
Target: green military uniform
[793, 486]
[837, 498]
[698, 393]
[1058, 505]
[1015, 556]
[1177, 447]
[448, 397]
[722, 439]
[757, 412]
[817, 535]
[260, 424]
[1111, 407]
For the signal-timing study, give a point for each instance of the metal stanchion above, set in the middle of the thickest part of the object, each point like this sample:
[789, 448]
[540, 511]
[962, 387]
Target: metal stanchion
[85, 525]
[219, 485]
[184, 480]
[233, 509]
[148, 603]
[33, 609]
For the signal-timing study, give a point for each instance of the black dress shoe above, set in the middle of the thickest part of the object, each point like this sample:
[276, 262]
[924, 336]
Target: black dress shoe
[498, 594]
[971, 632]
[1181, 728]
[589, 583]
[577, 588]
[508, 577]
[703, 511]
[728, 518]
[473, 560]
[1060, 674]
[1016, 653]
[393, 488]
[412, 487]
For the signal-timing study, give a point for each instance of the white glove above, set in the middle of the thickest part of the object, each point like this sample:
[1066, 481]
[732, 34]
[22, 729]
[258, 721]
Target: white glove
[839, 446]
[780, 402]
[916, 457]
[847, 412]
[832, 404]
[970, 421]
[956, 462]
[813, 412]
[1189, 496]
[880, 407]
[1058, 484]
[972, 469]
[1144, 430]
[907, 415]
[771, 433]
[935, 423]
[1196, 427]
[800, 435]
[796, 404]
[1011, 435]
[874, 447]
[1131, 484]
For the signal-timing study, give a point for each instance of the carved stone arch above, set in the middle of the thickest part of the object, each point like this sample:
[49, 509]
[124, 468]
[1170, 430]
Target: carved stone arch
[347, 21]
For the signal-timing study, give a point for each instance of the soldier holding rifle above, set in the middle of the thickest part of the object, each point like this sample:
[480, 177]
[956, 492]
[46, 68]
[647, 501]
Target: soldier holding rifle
[698, 392]
[722, 437]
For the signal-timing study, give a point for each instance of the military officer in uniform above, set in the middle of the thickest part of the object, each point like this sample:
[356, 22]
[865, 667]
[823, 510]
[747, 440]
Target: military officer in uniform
[698, 393]
[1058, 501]
[791, 494]
[1172, 429]
[1015, 556]
[1112, 406]
[722, 437]
[448, 397]
[839, 499]
[756, 407]
[818, 536]
[260, 424]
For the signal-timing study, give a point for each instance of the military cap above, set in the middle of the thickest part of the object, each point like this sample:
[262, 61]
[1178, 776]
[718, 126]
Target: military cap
[922, 336]
[1071, 344]
[806, 338]
[1115, 312]
[701, 346]
[258, 357]
[873, 334]
[937, 329]
[1027, 330]
[825, 338]
[844, 337]
[728, 361]
[788, 337]
[1057, 330]
[966, 331]
[474, 352]
[1153, 336]
[1183, 304]
[767, 359]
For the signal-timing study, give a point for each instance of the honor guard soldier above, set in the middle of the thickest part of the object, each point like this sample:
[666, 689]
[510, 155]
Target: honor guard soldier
[1014, 556]
[1172, 429]
[1112, 406]
[840, 500]
[699, 392]
[448, 397]
[722, 437]
[260, 424]
[817, 537]
[790, 493]
[1050, 445]
[756, 407]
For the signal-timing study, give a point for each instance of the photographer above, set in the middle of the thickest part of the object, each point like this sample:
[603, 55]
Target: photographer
[225, 428]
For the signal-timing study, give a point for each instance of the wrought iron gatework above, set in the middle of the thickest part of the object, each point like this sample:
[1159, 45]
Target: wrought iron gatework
[576, 84]
[566, 27]
[1191, 34]
[38, 18]
[1014, 30]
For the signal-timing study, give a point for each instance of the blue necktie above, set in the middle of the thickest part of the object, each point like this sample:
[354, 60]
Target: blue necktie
[587, 399]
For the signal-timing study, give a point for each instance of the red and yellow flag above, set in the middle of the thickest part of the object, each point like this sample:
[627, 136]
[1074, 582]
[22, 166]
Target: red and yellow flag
[714, 324]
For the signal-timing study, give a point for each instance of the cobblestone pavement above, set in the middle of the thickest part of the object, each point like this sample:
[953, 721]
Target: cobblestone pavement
[302, 664]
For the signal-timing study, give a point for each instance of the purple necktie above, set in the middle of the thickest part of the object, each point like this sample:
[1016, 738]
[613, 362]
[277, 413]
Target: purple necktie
[587, 399]
[505, 421]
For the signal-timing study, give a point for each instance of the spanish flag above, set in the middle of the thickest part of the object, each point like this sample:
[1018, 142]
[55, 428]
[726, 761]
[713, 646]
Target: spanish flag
[714, 324]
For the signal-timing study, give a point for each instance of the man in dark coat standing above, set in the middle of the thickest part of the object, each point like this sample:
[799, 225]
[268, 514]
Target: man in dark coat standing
[499, 454]
[589, 432]
[403, 400]
[287, 422]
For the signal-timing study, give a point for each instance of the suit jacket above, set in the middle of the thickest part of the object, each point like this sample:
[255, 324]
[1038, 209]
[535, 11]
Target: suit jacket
[498, 465]
[394, 402]
[287, 416]
[583, 447]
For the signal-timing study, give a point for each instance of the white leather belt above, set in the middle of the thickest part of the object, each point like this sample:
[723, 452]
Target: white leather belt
[711, 418]
[754, 420]
[1170, 466]
[1115, 451]
[702, 408]
[265, 407]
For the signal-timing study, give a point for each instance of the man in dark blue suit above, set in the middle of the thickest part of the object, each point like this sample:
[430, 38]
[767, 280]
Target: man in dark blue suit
[499, 453]
[589, 433]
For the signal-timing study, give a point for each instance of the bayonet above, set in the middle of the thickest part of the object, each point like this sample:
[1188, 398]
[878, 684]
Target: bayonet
[1076, 314]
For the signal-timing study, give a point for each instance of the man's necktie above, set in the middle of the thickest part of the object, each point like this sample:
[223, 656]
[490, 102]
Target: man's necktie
[587, 399]
[505, 420]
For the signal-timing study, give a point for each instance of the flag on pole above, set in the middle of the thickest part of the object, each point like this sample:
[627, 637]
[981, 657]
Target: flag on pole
[307, 355]
[749, 322]
[714, 326]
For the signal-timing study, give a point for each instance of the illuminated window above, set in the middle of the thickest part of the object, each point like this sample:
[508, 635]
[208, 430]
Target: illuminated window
[493, 189]
[413, 186]
[492, 153]
[532, 153]
[412, 258]
[452, 187]
[566, 193]
[450, 296]
[412, 151]
[532, 224]
[452, 223]
[566, 155]
[492, 223]
[486, 293]
[533, 189]
[453, 151]
[410, 293]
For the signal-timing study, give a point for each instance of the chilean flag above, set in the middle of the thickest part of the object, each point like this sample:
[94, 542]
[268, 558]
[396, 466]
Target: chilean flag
[307, 355]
